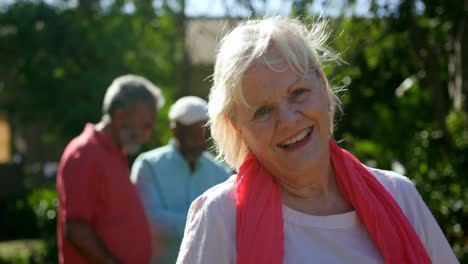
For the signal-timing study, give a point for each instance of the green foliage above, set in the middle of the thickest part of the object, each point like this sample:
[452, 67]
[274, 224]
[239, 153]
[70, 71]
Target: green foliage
[17, 220]
[44, 203]
[32, 217]
[22, 252]
[57, 64]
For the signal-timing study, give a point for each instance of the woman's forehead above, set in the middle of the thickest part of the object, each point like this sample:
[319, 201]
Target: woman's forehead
[265, 72]
[263, 79]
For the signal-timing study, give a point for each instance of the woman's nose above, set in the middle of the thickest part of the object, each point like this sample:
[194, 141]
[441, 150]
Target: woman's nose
[286, 115]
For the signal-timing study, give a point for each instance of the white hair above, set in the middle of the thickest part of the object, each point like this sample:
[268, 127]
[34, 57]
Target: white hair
[128, 90]
[301, 48]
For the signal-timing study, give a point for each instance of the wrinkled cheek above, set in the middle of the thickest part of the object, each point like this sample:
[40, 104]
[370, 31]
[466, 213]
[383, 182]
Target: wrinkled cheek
[253, 133]
[326, 129]
[258, 143]
[320, 111]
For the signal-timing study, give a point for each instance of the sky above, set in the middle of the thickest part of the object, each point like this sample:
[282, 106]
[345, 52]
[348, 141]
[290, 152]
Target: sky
[221, 8]
[217, 8]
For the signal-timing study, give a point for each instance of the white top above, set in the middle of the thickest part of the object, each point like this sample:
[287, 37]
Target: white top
[210, 233]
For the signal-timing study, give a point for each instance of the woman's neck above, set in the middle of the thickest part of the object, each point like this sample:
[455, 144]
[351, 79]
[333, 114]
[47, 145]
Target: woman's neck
[307, 181]
[316, 194]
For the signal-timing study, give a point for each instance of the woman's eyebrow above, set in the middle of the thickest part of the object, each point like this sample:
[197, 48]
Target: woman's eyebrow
[294, 84]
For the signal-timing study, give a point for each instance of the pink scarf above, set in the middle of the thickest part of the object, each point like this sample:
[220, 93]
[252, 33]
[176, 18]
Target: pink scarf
[259, 216]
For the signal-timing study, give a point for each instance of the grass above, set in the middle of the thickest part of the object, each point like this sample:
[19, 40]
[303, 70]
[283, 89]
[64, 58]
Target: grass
[22, 251]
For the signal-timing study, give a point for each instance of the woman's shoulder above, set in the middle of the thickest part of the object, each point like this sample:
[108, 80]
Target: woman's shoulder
[393, 182]
[402, 190]
[400, 187]
[220, 193]
[218, 199]
[211, 221]
[405, 194]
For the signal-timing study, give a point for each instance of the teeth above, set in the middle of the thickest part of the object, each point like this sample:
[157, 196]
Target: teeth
[296, 138]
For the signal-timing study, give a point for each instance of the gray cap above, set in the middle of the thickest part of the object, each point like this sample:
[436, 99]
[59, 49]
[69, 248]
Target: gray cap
[189, 110]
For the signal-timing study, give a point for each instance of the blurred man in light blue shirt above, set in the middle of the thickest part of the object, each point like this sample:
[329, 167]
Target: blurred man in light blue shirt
[169, 178]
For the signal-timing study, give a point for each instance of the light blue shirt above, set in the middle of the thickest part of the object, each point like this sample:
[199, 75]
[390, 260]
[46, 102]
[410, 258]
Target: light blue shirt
[167, 187]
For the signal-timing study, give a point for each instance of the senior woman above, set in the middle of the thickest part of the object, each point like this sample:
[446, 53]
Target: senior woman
[298, 197]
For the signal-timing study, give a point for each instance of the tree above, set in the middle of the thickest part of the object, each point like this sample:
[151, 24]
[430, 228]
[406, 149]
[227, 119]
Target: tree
[57, 63]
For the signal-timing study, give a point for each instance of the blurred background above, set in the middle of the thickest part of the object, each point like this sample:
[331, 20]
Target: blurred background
[404, 71]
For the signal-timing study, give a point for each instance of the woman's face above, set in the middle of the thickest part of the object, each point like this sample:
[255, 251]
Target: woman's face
[288, 123]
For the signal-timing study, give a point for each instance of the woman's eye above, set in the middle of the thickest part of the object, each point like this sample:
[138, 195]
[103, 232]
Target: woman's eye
[262, 112]
[298, 92]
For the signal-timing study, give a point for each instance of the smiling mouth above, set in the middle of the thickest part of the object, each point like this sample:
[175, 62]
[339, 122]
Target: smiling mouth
[298, 139]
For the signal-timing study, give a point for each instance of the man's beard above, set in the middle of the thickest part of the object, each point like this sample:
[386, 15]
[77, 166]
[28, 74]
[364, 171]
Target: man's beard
[128, 141]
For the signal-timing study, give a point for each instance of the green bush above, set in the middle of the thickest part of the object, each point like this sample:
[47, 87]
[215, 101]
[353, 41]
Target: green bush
[44, 203]
[32, 217]
[22, 251]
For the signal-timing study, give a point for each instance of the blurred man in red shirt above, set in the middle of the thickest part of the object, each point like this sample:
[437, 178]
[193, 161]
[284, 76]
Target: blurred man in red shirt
[101, 219]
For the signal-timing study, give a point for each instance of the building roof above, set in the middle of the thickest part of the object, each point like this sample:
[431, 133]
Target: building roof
[203, 35]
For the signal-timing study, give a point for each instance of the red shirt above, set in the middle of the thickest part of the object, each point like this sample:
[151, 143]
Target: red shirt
[93, 184]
